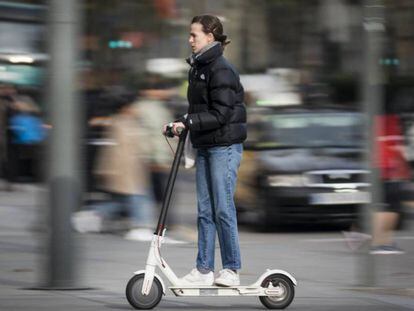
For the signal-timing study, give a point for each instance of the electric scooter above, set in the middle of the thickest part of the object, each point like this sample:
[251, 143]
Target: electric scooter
[275, 288]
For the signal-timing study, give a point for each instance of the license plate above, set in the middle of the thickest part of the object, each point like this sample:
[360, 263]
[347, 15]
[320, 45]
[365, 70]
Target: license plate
[340, 198]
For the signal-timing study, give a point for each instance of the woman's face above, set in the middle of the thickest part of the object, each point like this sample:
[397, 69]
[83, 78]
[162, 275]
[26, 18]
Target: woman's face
[198, 39]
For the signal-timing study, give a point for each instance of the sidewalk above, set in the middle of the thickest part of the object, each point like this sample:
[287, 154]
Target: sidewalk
[325, 268]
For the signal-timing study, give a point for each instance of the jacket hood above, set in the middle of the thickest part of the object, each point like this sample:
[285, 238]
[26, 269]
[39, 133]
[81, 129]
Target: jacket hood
[208, 54]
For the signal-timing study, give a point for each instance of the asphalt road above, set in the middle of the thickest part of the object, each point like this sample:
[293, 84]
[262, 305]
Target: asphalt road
[328, 272]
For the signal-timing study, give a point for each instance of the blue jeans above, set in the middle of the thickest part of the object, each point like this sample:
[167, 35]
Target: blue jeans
[216, 183]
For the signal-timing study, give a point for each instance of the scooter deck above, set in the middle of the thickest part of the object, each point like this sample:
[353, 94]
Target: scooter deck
[225, 291]
[211, 287]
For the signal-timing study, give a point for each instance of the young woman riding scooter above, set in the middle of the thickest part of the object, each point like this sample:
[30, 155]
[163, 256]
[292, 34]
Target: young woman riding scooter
[216, 124]
[216, 121]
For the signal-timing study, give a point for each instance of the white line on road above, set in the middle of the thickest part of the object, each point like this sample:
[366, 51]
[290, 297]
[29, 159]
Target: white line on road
[334, 240]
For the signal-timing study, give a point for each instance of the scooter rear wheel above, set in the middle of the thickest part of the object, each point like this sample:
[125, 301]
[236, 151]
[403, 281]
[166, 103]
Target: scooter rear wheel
[287, 292]
[137, 299]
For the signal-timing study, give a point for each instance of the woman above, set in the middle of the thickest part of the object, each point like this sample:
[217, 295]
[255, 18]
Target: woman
[216, 120]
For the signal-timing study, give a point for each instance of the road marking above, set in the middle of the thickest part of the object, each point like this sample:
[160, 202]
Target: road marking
[334, 240]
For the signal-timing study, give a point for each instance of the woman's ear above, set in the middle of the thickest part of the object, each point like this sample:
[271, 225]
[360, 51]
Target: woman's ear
[210, 37]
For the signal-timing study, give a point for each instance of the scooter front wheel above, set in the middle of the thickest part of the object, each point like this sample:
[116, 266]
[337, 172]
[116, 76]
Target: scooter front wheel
[137, 299]
[285, 287]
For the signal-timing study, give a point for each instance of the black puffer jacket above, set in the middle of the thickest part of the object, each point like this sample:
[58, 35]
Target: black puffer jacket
[216, 115]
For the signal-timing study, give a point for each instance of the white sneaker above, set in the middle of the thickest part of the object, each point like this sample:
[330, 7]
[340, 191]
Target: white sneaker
[139, 235]
[195, 277]
[87, 221]
[227, 277]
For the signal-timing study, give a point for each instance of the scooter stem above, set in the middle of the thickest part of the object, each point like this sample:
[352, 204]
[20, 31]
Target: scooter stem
[171, 182]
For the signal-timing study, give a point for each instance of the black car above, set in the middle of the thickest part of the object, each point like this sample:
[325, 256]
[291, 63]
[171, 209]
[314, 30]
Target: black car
[302, 165]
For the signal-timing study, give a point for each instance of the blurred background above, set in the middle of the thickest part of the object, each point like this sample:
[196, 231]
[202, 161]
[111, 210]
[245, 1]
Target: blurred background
[86, 86]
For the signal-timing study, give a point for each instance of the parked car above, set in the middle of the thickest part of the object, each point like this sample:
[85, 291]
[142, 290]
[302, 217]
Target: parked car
[302, 165]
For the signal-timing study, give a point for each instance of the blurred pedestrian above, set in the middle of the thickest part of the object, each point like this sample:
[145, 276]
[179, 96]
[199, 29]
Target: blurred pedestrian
[26, 135]
[395, 177]
[4, 106]
[216, 121]
[124, 174]
[152, 114]
[395, 174]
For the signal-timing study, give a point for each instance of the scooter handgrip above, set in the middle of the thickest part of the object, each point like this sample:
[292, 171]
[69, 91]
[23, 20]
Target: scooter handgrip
[168, 131]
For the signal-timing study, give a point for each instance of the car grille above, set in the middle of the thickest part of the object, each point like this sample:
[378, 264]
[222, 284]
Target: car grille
[336, 178]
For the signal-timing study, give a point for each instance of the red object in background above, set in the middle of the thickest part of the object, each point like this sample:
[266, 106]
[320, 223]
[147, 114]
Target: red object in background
[390, 140]
[135, 37]
[165, 8]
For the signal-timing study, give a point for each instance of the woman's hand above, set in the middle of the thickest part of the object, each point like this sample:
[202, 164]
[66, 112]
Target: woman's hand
[175, 126]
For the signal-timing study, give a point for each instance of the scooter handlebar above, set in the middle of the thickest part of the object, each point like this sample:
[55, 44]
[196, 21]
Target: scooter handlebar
[169, 130]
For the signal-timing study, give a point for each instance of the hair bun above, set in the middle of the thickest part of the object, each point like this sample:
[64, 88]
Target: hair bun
[223, 39]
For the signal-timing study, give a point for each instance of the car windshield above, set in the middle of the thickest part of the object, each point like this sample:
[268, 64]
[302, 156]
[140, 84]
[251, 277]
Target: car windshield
[307, 130]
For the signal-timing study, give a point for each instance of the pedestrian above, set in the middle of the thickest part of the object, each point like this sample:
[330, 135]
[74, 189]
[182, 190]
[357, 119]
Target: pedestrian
[122, 170]
[394, 184]
[152, 113]
[27, 134]
[7, 94]
[216, 121]
[395, 175]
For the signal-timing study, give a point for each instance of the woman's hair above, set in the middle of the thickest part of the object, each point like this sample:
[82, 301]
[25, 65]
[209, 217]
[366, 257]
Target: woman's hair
[212, 24]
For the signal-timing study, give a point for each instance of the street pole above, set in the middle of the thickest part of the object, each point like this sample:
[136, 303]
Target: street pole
[373, 100]
[63, 157]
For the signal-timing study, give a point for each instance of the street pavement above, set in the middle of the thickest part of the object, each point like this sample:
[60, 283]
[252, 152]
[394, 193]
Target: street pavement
[328, 272]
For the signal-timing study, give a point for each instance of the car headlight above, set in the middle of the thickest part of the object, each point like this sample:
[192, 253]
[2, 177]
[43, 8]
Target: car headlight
[286, 180]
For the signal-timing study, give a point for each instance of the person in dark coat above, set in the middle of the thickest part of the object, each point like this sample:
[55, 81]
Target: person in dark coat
[216, 121]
